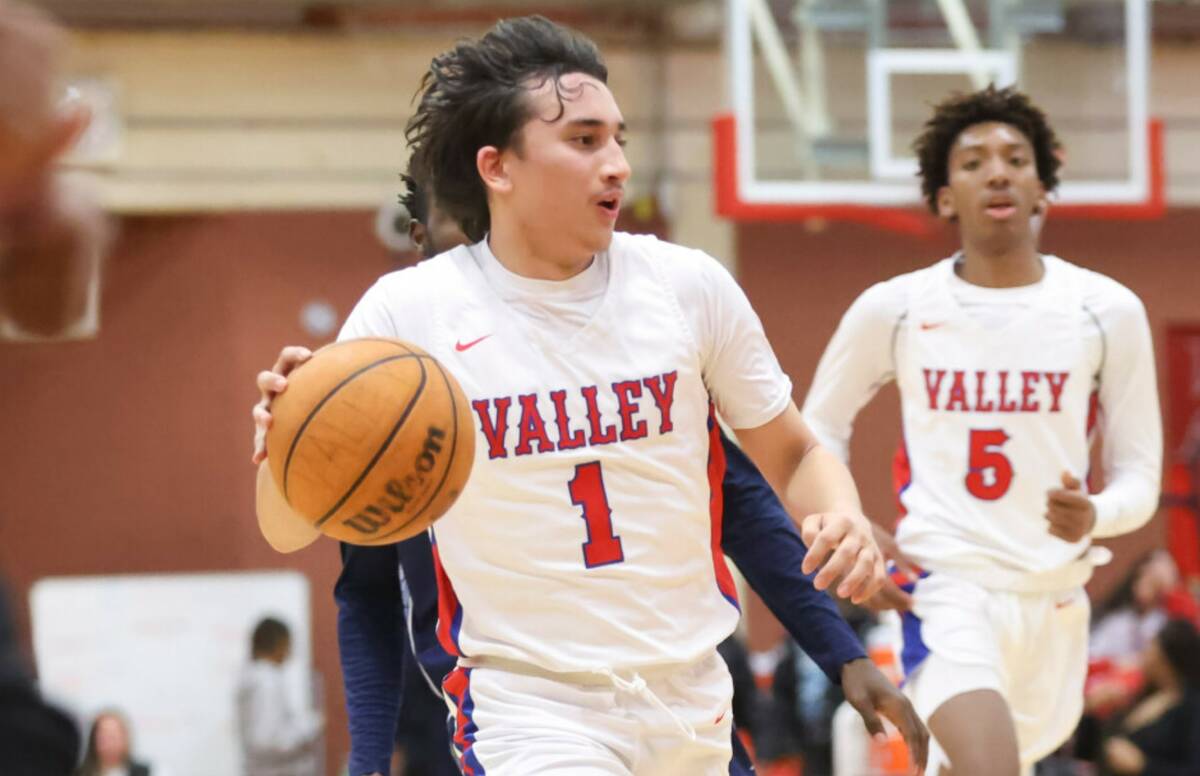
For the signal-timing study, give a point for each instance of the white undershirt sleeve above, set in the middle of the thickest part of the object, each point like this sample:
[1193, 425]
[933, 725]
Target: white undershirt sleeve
[1130, 421]
[856, 363]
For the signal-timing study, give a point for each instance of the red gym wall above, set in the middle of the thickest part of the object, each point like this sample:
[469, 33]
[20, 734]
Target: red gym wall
[130, 453]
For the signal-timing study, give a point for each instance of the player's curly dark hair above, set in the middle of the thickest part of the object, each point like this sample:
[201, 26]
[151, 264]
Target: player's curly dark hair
[476, 95]
[414, 200]
[952, 116]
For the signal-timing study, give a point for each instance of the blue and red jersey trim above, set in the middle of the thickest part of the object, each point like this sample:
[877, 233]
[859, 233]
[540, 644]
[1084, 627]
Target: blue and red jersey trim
[457, 687]
[716, 508]
[450, 613]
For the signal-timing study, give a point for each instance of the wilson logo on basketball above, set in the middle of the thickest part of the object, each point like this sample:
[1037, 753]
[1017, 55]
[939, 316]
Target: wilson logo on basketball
[400, 493]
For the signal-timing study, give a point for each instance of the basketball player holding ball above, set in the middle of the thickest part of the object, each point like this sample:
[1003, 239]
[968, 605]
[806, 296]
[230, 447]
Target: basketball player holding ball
[998, 352]
[581, 587]
[387, 608]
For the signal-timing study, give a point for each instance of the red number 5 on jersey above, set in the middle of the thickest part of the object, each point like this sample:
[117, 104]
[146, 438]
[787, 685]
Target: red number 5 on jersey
[985, 457]
[587, 491]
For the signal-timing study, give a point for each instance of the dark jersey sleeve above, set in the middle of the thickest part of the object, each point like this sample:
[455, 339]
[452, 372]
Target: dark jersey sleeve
[371, 642]
[759, 536]
[387, 615]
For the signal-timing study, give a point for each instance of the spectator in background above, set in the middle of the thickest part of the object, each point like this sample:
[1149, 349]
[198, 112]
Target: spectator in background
[1160, 736]
[277, 739]
[51, 236]
[109, 748]
[1124, 628]
[1136, 611]
[35, 739]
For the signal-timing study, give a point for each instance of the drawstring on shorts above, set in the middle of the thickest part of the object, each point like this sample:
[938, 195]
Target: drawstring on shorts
[639, 688]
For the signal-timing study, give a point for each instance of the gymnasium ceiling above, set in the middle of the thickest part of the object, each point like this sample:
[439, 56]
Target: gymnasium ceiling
[690, 19]
[326, 13]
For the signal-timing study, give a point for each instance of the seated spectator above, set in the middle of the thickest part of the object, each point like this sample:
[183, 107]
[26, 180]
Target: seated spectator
[1160, 735]
[109, 749]
[1126, 625]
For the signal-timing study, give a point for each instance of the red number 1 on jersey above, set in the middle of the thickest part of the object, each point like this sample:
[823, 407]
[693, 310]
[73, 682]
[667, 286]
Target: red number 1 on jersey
[587, 491]
[985, 455]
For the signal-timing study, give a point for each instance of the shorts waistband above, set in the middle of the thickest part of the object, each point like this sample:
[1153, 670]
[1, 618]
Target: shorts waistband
[1072, 575]
[597, 677]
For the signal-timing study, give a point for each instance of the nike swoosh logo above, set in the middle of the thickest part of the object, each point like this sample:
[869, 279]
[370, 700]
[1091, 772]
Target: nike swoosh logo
[928, 326]
[460, 346]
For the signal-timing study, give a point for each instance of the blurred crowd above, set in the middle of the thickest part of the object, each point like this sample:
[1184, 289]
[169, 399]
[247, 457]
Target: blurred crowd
[1142, 708]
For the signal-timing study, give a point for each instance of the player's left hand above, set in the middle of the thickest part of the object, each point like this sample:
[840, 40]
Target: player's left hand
[842, 545]
[1123, 756]
[872, 694]
[1069, 511]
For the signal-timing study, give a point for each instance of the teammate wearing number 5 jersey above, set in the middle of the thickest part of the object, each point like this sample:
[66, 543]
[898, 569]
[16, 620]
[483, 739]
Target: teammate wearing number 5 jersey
[1006, 359]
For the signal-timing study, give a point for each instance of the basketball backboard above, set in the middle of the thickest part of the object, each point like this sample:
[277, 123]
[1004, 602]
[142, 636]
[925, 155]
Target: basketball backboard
[826, 97]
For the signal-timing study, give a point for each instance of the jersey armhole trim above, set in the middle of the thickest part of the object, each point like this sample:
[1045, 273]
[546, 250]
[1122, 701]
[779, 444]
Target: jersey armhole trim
[1103, 341]
[660, 275]
[888, 377]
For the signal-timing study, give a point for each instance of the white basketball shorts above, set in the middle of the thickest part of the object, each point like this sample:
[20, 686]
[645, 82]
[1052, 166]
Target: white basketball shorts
[512, 719]
[1029, 647]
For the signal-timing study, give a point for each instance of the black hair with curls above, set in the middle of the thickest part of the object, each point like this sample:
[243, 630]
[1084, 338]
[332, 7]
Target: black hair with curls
[414, 200]
[477, 95]
[952, 116]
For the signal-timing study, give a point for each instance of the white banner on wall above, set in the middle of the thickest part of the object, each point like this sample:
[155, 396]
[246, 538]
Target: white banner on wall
[166, 650]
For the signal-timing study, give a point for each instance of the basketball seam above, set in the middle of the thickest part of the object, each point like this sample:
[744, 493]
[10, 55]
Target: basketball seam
[383, 447]
[287, 462]
[449, 463]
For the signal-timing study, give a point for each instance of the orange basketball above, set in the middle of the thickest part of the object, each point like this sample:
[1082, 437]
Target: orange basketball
[372, 441]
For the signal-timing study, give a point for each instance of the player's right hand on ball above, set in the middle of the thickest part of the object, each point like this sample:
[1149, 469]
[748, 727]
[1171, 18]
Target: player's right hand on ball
[843, 547]
[272, 382]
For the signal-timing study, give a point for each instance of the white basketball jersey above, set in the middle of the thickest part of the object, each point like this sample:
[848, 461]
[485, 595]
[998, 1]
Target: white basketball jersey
[993, 415]
[588, 534]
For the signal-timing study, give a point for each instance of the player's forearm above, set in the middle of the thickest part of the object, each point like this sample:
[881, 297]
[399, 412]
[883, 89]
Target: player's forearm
[821, 483]
[372, 690]
[1131, 425]
[807, 478]
[809, 615]
[1127, 503]
[759, 537]
[370, 646]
